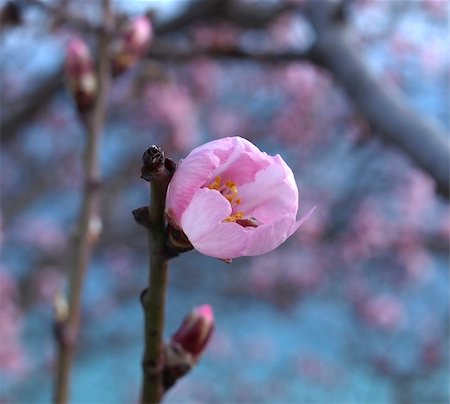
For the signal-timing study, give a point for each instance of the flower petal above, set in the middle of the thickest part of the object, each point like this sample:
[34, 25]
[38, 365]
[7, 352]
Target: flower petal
[203, 223]
[241, 167]
[266, 238]
[273, 195]
[190, 175]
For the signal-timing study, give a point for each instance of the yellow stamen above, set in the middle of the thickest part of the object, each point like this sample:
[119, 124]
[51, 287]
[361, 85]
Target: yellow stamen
[216, 183]
[236, 216]
[228, 190]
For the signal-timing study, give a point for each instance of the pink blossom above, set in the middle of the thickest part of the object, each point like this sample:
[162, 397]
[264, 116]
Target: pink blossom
[233, 200]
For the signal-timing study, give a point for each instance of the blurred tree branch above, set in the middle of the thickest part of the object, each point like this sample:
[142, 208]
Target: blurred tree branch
[385, 109]
[26, 106]
[68, 328]
[166, 52]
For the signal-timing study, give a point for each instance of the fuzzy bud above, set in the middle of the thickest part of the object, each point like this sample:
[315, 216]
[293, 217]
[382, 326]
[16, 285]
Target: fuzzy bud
[61, 308]
[195, 331]
[80, 73]
[132, 44]
[152, 163]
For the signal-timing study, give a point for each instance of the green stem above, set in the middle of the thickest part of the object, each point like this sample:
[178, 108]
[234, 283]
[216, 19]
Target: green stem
[155, 298]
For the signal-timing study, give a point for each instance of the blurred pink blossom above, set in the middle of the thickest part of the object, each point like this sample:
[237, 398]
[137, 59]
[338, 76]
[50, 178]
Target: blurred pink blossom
[172, 107]
[80, 73]
[220, 36]
[48, 281]
[232, 200]
[44, 234]
[205, 76]
[132, 44]
[223, 122]
[319, 371]
[434, 57]
[286, 275]
[436, 8]
[431, 353]
[371, 233]
[385, 311]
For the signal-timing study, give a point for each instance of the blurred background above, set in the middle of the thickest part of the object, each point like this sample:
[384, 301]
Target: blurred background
[353, 308]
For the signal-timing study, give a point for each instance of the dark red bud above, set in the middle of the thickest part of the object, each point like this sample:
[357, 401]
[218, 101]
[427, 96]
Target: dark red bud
[196, 330]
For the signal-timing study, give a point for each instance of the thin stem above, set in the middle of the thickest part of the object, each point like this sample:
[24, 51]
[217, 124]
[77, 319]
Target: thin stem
[94, 122]
[155, 298]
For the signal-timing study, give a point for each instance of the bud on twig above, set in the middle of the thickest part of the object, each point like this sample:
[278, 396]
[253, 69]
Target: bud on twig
[195, 331]
[142, 216]
[187, 344]
[132, 44]
[95, 227]
[61, 314]
[152, 163]
[80, 73]
[60, 307]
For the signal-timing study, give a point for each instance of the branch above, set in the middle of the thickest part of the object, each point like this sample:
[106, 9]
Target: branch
[25, 107]
[384, 108]
[251, 17]
[29, 104]
[166, 52]
[154, 298]
[69, 329]
[70, 19]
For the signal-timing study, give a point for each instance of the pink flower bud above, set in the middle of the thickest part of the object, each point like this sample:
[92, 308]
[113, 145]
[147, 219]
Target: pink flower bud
[232, 200]
[195, 331]
[132, 44]
[80, 74]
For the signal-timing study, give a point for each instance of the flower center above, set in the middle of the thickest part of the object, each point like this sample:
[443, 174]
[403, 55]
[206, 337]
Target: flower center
[229, 190]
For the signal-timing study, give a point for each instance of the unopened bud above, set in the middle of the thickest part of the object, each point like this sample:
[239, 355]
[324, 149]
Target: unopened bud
[60, 307]
[152, 162]
[94, 229]
[80, 74]
[195, 331]
[132, 44]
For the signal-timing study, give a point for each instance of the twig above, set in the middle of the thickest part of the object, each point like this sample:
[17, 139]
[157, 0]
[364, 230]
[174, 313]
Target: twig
[384, 108]
[153, 299]
[26, 106]
[94, 122]
[166, 52]
[70, 19]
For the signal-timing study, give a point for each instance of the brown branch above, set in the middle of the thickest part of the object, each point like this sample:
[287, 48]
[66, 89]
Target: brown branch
[384, 108]
[24, 108]
[154, 298]
[251, 17]
[62, 16]
[94, 121]
[166, 52]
